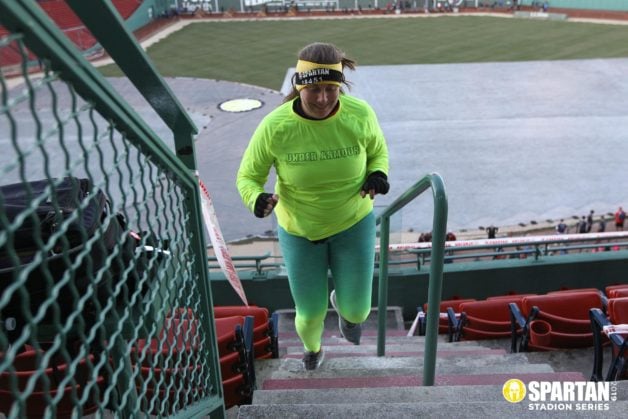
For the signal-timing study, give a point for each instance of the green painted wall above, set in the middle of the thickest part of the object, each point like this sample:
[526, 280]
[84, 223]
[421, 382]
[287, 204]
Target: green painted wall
[616, 5]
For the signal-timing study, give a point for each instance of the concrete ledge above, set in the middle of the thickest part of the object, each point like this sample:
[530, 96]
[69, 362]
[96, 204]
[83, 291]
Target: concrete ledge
[377, 395]
[392, 394]
[391, 366]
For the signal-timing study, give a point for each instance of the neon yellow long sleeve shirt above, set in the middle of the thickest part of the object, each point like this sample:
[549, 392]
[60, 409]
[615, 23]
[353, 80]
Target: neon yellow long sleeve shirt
[321, 166]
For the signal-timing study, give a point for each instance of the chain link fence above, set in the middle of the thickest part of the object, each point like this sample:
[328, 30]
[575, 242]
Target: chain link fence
[104, 301]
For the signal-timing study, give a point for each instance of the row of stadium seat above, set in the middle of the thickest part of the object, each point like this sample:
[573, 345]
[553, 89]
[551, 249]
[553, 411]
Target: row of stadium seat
[165, 367]
[557, 320]
[243, 334]
[491, 318]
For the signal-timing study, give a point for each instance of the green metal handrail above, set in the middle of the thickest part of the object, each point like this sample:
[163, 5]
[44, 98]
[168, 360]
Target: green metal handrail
[439, 229]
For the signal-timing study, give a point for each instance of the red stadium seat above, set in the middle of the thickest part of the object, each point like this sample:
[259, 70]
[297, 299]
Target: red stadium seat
[574, 290]
[261, 326]
[507, 296]
[235, 365]
[167, 358]
[486, 319]
[611, 288]
[27, 364]
[618, 310]
[556, 320]
[617, 291]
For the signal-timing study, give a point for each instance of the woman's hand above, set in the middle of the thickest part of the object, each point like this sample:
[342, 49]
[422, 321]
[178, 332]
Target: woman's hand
[264, 204]
[376, 183]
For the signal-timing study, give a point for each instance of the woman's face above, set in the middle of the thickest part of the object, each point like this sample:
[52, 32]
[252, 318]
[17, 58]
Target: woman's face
[319, 100]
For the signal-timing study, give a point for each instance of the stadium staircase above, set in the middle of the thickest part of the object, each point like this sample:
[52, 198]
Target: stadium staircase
[354, 382]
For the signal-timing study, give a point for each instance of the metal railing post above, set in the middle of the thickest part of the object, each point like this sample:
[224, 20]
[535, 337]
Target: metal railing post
[439, 227]
[384, 237]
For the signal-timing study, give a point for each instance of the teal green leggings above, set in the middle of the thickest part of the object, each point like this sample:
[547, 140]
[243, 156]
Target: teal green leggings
[350, 257]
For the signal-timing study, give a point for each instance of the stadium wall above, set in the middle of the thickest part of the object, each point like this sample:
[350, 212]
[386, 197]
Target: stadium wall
[236, 5]
[148, 11]
[607, 5]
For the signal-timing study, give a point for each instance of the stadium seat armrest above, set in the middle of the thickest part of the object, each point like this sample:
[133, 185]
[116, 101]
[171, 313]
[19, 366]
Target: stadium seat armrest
[247, 330]
[516, 316]
[517, 320]
[273, 328]
[422, 326]
[598, 321]
[617, 369]
[244, 334]
[453, 325]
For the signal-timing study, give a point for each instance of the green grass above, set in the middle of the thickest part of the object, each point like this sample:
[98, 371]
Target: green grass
[260, 52]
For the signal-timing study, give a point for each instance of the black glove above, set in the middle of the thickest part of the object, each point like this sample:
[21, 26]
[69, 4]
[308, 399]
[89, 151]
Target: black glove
[261, 205]
[377, 182]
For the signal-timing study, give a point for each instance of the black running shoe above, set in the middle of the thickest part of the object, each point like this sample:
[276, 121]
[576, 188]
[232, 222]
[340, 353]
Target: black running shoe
[350, 331]
[313, 360]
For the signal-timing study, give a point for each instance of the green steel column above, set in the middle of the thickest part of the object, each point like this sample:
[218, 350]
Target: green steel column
[105, 23]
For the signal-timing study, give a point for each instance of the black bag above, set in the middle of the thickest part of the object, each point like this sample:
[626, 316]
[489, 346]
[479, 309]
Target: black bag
[47, 254]
[49, 215]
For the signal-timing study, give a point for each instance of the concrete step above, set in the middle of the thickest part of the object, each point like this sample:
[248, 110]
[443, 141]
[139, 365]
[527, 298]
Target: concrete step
[385, 362]
[395, 347]
[289, 368]
[372, 381]
[394, 320]
[392, 336]
[479, 393]
[377, 395]
[448, 409]
[396, 344]
[390, 352]
[333, 332]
